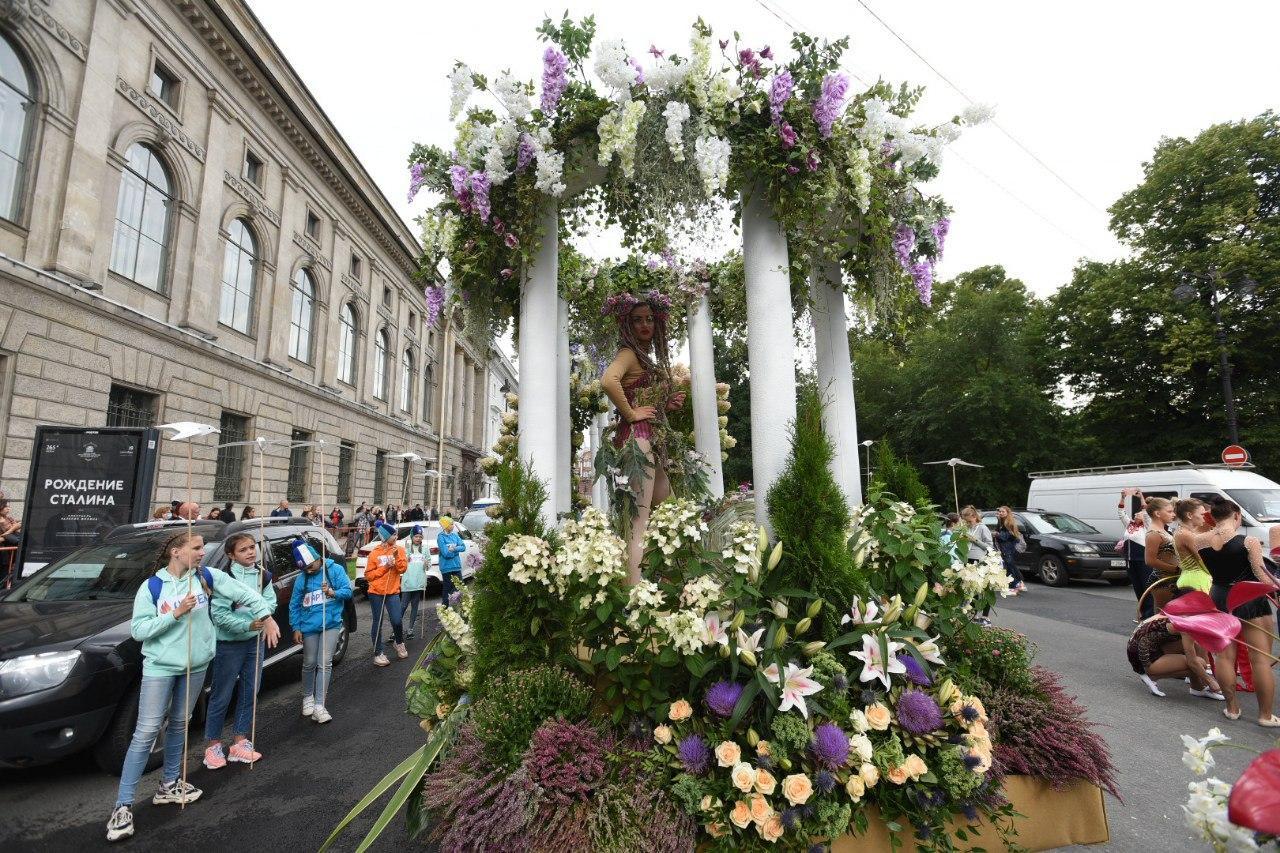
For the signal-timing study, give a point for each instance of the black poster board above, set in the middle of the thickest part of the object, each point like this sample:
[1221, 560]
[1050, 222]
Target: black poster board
[83, 483]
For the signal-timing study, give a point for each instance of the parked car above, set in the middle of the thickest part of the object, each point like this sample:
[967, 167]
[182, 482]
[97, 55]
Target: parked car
[477, 519]
[69, 669]
[430, 529]
[1061, 547]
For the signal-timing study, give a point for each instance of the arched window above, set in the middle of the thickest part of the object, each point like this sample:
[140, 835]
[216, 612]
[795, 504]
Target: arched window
[406, 381]
[239, 264]
[381, 349]
[16, 110]
[304, 298]
[142, 219]
[347, 337]
[428, 380]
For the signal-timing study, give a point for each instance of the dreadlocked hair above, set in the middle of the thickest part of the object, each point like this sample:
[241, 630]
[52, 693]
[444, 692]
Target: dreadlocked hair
[654, 358]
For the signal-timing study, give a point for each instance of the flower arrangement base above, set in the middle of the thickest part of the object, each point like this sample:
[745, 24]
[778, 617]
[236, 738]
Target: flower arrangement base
[1074, 815]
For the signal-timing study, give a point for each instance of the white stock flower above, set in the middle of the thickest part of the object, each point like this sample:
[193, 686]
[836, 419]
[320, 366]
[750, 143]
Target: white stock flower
[676, 113]
[456, 628]
[460, 89]
[711, 153]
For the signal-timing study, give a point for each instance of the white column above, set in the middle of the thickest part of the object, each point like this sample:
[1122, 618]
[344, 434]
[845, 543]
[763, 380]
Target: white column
[770, 346]
[835, 376]
[564, 442]
[706, 417]
[600, 494]
[539, 320]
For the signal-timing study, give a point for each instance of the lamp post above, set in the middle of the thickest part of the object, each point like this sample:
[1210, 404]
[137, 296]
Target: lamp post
[1188, 292]
[867, 444]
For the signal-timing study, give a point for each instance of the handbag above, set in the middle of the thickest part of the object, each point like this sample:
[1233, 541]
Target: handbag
[1020, 545]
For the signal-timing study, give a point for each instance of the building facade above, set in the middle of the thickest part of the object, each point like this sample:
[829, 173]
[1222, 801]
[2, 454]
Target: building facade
[184, 236]
[502, 379]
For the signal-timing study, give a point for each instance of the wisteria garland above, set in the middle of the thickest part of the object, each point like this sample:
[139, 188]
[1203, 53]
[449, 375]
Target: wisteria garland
[676, 113]
[779, 94]
[712, 156]
[826, 109]
[555, 79]
[460, 89]
[435, 303]
[417, 179]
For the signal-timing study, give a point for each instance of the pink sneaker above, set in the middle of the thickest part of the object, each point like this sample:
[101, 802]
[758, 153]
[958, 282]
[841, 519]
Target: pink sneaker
[243, 753]
[214, 758]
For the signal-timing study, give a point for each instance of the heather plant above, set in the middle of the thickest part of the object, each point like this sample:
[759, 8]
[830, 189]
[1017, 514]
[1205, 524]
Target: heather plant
[568, 760]
[992, 658]
[636, 814]
[518, 702]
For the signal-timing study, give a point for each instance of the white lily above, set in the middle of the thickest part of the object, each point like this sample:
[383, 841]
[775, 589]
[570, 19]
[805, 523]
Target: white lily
[859, 615]
[751, 643]
[873, 666]
[929, 651]
[796, 684]
[715, 630]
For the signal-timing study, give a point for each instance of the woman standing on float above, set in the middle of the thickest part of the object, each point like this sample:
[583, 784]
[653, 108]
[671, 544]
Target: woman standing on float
[642, 361]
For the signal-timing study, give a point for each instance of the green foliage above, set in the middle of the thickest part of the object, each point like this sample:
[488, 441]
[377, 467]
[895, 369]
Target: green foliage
[517, 702]
[898, 476]
[810, 516]
[828, 671]
[731, 367]
[957, 780]
[790, 732]
[829, 819]
[984, 659]
[688, 792]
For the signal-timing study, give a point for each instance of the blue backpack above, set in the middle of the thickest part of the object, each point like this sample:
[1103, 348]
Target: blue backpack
[155, 586]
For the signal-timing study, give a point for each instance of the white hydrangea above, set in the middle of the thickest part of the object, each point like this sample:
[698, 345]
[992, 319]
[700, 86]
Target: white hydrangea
[677, 113]
[711, 153]
[531, 559]
[685, 630]
[741, 553]
[550, 173]
[674, 525]
[591, 552]
[976, 114]
[456, 627]
[974, 579]
[612, 68]
[701, 593]
[510, 419]
[645, 595]
[460, 89]
[665, 75]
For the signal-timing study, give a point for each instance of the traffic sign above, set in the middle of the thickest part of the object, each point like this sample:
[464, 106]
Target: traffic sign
[1234, 454]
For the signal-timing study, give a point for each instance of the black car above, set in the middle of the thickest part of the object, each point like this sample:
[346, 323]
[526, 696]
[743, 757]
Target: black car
[1061, 547]
[69, 669]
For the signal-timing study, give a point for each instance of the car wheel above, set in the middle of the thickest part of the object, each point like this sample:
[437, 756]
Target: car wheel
[340, 650]
[1052, 571]
[110, 750]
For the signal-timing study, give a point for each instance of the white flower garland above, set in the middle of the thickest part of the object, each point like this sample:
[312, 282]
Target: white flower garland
[976, 114]
[617, 131]
[666, 75]
[612, 68]
[513, 95]
[550, 173]
[861, 173]
[677, 113]
[712, 156]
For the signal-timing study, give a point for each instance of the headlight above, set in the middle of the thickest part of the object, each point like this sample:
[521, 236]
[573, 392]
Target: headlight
[32, 673]
[1083, 548]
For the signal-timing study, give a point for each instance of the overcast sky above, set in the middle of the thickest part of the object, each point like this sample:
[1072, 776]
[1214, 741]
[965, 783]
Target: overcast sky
[1089, 87]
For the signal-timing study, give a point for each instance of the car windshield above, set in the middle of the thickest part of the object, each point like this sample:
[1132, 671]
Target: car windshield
[1063, 523]
[476, 520]
[106, 572]
[1262, 504]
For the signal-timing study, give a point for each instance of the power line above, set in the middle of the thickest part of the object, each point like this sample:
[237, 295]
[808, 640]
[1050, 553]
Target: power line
[944, 78]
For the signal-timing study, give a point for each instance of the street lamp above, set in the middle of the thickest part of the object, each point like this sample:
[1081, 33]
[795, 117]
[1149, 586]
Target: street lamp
[953, 462]
[1186, 291]
[867, 444]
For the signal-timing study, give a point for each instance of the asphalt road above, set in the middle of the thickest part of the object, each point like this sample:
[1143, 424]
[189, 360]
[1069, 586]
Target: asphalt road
[309, 777]
[1081, 633]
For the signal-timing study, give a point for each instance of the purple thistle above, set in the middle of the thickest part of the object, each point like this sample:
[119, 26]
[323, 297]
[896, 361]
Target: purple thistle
[791, 818]
[554, 78]
[825, 781]
[915, 672]
[971, 761]
[969, 713]
[788, 135]
[779, 94]
[939, 231]
[904, 243]
[417, 179]
[922, 274]
[830, 745]
[435, 303]
[829, 104]
[525, 151]
[918, 713]
[722, 697]
[694, 755]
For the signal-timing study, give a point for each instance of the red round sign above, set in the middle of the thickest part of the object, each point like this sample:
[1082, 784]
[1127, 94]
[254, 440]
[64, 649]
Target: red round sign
[1235, 455]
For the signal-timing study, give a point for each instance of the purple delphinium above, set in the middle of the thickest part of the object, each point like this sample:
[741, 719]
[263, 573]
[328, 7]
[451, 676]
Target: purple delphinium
[694, 754]
[788, 135]
[830, 745]
[918, 713]
[554, 78]
[922, 274]
[904, 243]
[722, 697]
[435, 303]
[915, 672]
[417, 179]
[829, 104]
[939, 231]
[779, 94]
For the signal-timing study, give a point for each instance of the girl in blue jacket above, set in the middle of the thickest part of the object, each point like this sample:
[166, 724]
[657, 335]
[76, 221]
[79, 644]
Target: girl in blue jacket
[315, 612]
[451, 546]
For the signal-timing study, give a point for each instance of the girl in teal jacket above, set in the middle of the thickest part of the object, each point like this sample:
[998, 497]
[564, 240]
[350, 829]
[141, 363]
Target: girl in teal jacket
[451, 546]
[413, 583]
[171, 616]
[319, 596]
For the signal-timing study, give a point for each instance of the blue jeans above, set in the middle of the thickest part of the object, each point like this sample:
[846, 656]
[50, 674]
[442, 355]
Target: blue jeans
[241, 660]
[317, 663]
[159, 695]
[410, 601]
[1139, 575]
[378, 631]
[448, 586]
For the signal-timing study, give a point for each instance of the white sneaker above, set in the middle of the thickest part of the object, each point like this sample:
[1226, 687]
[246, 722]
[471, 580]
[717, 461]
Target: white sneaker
[308, 705]
[321, 715]
[176, 791]
[121, 824]
[1209, 693]
[401, 651]
[381, 660]
[1151, 685]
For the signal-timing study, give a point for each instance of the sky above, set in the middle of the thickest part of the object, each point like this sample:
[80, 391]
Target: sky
[1089, 88]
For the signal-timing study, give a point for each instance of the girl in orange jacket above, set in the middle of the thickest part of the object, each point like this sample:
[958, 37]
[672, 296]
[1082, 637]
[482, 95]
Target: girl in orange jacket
[386, 563]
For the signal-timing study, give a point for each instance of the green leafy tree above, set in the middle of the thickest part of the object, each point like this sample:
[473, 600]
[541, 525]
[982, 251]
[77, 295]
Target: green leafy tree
[899, 477]
[731, 367]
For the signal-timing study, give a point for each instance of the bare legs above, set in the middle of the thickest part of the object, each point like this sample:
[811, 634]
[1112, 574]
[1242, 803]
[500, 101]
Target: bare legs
[654, 490]
[1253, 632]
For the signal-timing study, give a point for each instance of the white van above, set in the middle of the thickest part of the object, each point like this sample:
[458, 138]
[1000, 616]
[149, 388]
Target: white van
[1091, 494]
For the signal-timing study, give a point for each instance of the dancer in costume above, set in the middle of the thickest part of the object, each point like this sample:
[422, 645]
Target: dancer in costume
[413, 586]
[239, 655]
[1155, 651]
[171, 619]
[315, 611]
[642, 362]
[386, 563]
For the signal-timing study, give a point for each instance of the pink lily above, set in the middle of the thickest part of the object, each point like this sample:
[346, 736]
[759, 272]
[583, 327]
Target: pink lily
[873, 666]
[715, 630]
[859, 615]
[796, 684]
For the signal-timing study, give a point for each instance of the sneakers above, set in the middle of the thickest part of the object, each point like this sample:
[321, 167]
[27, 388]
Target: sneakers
[214, 758]
[381, 660]
[401, 651]
[408, 635]
[121, 824]
[308, 705]
[243, 752]
[321, 715]
[176, 791]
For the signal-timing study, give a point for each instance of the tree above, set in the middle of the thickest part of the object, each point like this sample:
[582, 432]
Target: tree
[731, 367]
[898, 476]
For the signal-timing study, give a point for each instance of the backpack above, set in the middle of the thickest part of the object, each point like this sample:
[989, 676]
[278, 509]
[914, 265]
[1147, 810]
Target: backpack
[266, 577]
[155, 586]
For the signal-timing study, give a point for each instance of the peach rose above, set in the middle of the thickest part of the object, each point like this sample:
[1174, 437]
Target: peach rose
[728, 753]
[715, 830]
[797, 788]
[915, 766]
[765, 783]
[878, 717]
[771, 829]
[662, 734]
[762, 748]
[680, 710]
[870, 774]
[855, 788]
[741, 814]
[898, 775]
[760, 809]
[705, 805]
[744, 778]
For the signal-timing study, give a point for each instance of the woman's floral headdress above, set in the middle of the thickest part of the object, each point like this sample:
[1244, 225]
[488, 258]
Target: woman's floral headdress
[620, 304]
